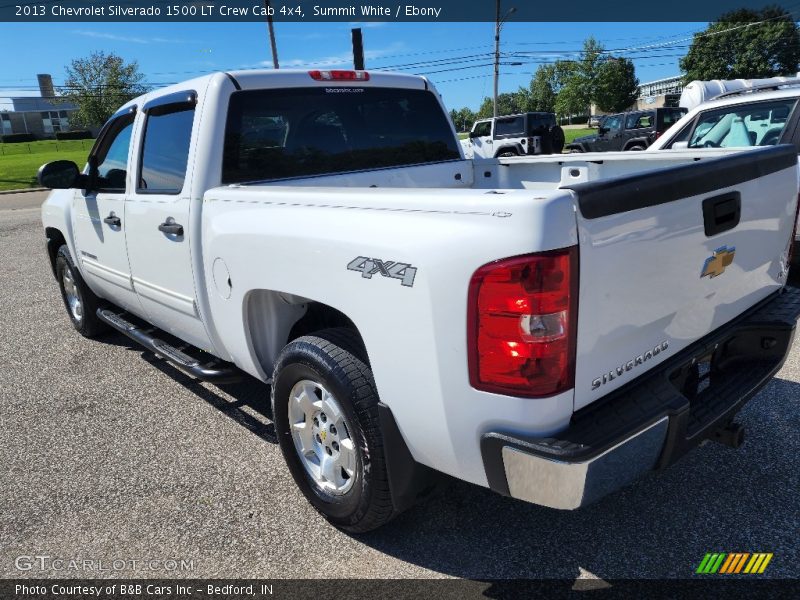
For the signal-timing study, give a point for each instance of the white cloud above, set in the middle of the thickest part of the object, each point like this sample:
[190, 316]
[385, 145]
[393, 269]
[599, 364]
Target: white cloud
[342, 59]
[125, 38]
[369, 24]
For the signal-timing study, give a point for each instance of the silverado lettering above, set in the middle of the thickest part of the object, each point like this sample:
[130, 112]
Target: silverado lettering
[630, 365]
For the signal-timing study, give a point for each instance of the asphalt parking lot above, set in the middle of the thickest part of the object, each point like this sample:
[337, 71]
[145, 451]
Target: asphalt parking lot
[107, 453]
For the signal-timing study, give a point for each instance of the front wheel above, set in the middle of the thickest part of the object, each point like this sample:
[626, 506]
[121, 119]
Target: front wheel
[79, 300]
[326, 419]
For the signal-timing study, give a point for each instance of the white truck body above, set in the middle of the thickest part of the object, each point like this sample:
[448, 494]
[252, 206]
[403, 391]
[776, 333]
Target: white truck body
[255, 256]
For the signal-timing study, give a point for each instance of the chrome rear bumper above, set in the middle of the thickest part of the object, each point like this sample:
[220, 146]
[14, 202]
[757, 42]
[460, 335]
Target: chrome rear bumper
[653, 421]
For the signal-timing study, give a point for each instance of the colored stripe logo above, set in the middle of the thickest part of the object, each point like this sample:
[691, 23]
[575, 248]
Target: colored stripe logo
[734, 562]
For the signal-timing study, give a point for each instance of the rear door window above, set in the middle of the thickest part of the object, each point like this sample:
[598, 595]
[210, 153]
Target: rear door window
[301, 132]
[165, 151]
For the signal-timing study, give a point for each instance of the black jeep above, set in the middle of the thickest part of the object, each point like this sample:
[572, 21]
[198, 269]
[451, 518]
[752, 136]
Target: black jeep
[634, 130]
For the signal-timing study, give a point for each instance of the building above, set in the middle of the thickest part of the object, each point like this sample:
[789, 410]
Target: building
[661, 92]
[42, 115]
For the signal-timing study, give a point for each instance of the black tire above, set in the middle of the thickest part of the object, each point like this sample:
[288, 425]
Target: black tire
[85, 320]
[507, 153]
[635, 148]
[336, 360]
[558, 139]
[575, 150]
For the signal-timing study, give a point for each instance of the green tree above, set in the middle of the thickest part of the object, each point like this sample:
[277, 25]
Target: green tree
[576, 81]
[508, 103]
[462, 118]
[571, 99]
[617, 86]
[98, 85]
[587, 70]
[543, 86]
[732, 49]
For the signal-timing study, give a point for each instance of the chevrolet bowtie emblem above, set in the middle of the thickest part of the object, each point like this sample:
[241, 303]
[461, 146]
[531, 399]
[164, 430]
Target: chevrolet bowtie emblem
[716, 264]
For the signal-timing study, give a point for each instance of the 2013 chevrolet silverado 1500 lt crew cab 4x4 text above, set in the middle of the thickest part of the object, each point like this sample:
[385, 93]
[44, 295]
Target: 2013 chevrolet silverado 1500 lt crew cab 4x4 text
[549, 327]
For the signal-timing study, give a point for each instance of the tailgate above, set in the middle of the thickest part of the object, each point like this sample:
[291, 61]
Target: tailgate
[668, 256]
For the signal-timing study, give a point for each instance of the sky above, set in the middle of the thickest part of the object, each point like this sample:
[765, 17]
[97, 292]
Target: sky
[457, 57]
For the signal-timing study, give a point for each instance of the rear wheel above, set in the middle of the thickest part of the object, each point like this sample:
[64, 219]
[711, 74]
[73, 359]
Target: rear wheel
[635, 148]
[80, 302]
[326, 419]
[506, 153]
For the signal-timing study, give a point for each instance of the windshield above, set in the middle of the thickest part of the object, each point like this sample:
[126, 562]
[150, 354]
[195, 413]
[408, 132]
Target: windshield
[757, 124]
[298, 132]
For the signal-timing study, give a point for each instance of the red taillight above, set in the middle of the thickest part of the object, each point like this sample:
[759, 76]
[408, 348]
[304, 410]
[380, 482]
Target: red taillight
[522, 319]
[339, 75]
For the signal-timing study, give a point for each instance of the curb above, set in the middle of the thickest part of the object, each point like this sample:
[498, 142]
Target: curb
[23, 191]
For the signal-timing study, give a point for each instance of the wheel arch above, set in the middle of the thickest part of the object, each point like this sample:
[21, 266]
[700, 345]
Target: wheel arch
[272, 319]
[517, 148]
[54, 240]
[635, 142]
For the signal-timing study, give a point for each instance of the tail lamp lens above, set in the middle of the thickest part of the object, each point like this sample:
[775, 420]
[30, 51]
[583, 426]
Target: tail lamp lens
[522, 324]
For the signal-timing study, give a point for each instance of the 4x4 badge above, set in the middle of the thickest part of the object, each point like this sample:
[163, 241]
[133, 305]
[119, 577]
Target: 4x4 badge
[388, 268]
[716, 264]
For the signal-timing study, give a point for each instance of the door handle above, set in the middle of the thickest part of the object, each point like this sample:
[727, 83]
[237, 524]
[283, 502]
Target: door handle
[112, 220]
[722, 213]
[171, 227]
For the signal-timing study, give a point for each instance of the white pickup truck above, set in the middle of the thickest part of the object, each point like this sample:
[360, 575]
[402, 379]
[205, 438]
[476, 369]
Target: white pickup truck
[547, 327]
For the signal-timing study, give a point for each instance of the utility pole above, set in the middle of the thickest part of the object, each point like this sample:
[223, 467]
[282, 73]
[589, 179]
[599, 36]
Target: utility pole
[358, 49]
[271, 35]
[498, 23]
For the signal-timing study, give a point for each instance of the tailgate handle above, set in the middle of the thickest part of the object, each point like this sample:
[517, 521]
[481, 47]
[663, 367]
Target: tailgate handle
[722, 213]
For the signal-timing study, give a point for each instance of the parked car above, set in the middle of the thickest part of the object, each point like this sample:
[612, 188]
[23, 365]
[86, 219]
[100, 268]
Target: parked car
[749, 117]
[515, 135]
[634, 130]
[595, 120]
[550, 327]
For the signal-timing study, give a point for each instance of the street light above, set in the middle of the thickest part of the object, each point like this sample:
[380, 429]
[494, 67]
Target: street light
[498, 24]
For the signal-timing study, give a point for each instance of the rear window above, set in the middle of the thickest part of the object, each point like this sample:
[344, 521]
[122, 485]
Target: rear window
[756, 124]
[537, 122]
[300, 132]
[511, 126]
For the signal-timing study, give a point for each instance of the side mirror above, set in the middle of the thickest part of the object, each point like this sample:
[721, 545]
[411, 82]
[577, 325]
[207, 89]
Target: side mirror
[473, 135]
[601, 130]
[680, 146]
[59, 175]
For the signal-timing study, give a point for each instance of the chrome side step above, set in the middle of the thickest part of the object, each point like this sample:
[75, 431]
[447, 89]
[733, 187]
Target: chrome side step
[213, 369]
